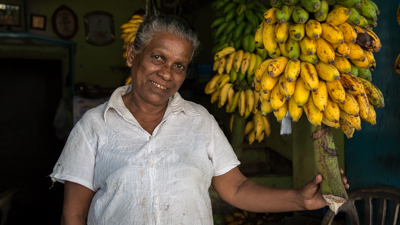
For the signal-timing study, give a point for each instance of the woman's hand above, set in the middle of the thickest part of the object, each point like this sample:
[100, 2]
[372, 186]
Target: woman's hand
[310, 194]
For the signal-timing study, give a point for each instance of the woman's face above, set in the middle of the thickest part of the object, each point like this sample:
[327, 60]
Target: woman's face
[159, 70]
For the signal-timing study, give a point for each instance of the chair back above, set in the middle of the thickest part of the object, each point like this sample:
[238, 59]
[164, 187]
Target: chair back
[5, 204]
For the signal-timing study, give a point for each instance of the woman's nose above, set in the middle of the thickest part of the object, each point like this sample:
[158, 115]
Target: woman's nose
[165, 71]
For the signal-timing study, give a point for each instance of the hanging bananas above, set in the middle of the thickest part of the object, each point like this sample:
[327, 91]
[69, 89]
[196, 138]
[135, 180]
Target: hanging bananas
[281, 61]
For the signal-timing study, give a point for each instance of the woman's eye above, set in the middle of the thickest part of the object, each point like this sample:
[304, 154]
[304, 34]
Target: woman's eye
[157, 57]
[179, 66]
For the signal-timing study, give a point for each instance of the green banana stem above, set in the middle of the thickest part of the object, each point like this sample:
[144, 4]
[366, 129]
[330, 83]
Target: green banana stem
[238, 134]
[326, 161]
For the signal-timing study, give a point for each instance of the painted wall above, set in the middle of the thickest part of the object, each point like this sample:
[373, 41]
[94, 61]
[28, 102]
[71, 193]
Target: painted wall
[373, 154]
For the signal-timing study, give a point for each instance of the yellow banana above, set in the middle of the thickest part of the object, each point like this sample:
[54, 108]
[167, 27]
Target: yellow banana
[223, 96]
[297, 31]
[292, 70]
[314, 115]
[349, 34]
[282, 32]
[214, 80]
[336, 91]
[397, 65]
[222, 65]
[215, 65]
[267, 126]
[237, 61]
[242, 103]
[370, 57]
[251, 137]
[265, 107]
[292, 48]
[313, 29]
[356, 52]
[363, 103]
[286, 88]
[342, 65]
[352, 84]
[353, 121]
[231, 93]
[258, 124]
[341, 50]
[229, 62]
[371, 115]
[330, 123]
[325, 51]
[261, 69]
[294, 110]
[130, 25]
[332, 111]
[215, 96]
[258, 36]
[260, 137]
[245, 62]
[207, 89]
[375, 41]
[327, 72]
[269, 38]
[222, 81]
[346, 128]
[277, 99]
[277, 66]
[308, 46]
[281, 112]
[338, 16]
[265, 95]
[269, 16]
[225, 51]
[332, 33]
[301, 93]
[373, 93]
[249, 127]
[252, 64]
[282, 49]
[350, 106]
[320, 97]
[309, 75]
[249, 101]
[257, 102]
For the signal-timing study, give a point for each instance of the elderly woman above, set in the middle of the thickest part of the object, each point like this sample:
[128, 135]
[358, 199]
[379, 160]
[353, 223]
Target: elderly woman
[147, 156]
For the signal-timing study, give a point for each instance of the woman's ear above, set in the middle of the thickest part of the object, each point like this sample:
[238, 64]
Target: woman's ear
[130, 55]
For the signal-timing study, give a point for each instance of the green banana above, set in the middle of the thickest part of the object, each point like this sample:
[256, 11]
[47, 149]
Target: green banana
[367, 10]
[223, 39]
[354, 70]
[349, 3]
[291, 2]
[230, 15]
[220, 29]
[228, 7]
[240, 76]
[238, 31]
[300, 15]
[311, 5]
[240, 9]
[371, 23]
[239, 18]
[375, 7]
[249, 14]
[284, 13]
[363, 22]
[238, 43]
[364, 73]
[239, 1]
[245, 42]
[220, 4]
[252, 44]
[276, 3]
[293, 49]
[354, 17]
[321, 14]
[233, 75]
[228, 29]
[229, 37]
[218, 22]
[248, 29]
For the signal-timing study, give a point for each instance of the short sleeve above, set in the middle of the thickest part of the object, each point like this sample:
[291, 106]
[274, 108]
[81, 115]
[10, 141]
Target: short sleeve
[221, 153]
[77, 160]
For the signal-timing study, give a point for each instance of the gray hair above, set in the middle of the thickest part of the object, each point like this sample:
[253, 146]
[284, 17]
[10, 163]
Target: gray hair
[156, 24]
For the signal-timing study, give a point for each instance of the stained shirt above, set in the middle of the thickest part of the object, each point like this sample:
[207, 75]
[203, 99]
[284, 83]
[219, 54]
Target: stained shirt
[140, 178]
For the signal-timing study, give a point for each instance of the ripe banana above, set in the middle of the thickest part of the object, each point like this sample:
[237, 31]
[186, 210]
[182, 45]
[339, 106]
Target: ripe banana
[245, 62]
[249, 101]
[309, 75]
[225, 51]
[338, 16]
[346, 128]
[282, 32]
[297, 31]
[352, 84]
[292, 48]
[237, 61]
[258, 36]
[341, 50]
[332, 33]
[221, 65]
[292, 70]
[286, 88]
[223, 96]
[336, 91]
[363, 103]
[397, 65]
[252, 64]
[308, 46]
[356, 52]
[281, 112]
[330, 123]
[229, 62]
[265, 107]
[313, 59]
[301, 93]
[214, 80]
[261, 69]
[332, 111]
[258, 124]
[242, 103]
[277, 66]
[249, 127]
[342, 65]
[325, 51]
[269, 38]
[353, 121]
[373, 93]
[215, 96]
[371, 115]
[349, 34]
[350, 106]
[269, 16]
[294, 111]
[268, 83]
[277, 99]
[267, 126]
[314, 115]
[320, 97]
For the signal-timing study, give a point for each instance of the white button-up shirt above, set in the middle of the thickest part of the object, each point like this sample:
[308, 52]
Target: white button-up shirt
[140, 178]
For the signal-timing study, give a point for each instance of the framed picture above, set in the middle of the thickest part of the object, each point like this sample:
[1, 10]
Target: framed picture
[65, 22]
[10, 15]
[38, 22]
[99, 28]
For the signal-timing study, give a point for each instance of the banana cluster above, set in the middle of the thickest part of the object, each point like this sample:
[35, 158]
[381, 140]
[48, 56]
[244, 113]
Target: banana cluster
[236, 23]
[129, 30]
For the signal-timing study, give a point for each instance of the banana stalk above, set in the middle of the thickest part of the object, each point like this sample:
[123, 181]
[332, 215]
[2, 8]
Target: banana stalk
[327, 165]
[237, 137]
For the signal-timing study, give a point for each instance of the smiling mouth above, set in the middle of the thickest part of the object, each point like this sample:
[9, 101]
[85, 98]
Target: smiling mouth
[159, 86]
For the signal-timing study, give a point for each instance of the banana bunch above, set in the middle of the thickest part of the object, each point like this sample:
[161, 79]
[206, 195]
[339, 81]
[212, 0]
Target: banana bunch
[129, 30]
[236, 22]
[321, 59]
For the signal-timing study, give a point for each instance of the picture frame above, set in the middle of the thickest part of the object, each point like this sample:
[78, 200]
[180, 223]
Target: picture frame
[10, 15]
[38, 22]
[65, 22]
[99, 28]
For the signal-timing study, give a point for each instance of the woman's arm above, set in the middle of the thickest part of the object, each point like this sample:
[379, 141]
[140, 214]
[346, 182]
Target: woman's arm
[77, 199]
[237, 190]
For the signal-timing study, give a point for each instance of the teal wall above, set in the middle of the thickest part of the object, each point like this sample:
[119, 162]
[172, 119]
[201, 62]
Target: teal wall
[373, 154]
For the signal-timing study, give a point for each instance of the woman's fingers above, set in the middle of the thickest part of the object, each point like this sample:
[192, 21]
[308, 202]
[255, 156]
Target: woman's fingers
[344, 179]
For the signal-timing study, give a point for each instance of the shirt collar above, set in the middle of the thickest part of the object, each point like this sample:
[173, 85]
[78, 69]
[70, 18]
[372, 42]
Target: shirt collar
[176, 103]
